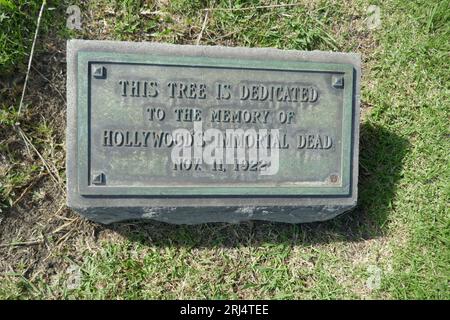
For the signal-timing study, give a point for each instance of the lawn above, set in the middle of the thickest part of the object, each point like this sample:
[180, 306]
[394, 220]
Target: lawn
[394, 245]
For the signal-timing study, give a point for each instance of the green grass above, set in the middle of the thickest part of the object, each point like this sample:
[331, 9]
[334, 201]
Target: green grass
[401, 226]
[15, 40]
[17, 24]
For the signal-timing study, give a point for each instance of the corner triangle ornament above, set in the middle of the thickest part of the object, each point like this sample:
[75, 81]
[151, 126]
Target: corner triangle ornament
[337, 82]
[99, 72]
[99, 178]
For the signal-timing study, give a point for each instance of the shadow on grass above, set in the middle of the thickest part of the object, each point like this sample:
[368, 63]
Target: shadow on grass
[381, 155]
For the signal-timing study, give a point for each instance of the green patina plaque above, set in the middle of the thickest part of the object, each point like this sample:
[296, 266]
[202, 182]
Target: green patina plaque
[179, 123]
[130, 105]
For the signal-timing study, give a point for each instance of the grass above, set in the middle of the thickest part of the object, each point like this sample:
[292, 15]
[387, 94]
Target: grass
[18, 22]
[395, 245]
[15, 38]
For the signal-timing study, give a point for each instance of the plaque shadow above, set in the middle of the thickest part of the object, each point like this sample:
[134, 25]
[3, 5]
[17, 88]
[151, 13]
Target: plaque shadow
[380, 168]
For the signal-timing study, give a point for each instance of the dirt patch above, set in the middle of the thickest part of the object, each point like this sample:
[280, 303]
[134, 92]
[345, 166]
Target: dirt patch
[38, 227]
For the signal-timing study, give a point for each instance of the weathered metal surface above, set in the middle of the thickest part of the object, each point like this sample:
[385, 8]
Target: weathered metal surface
[126, 102]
